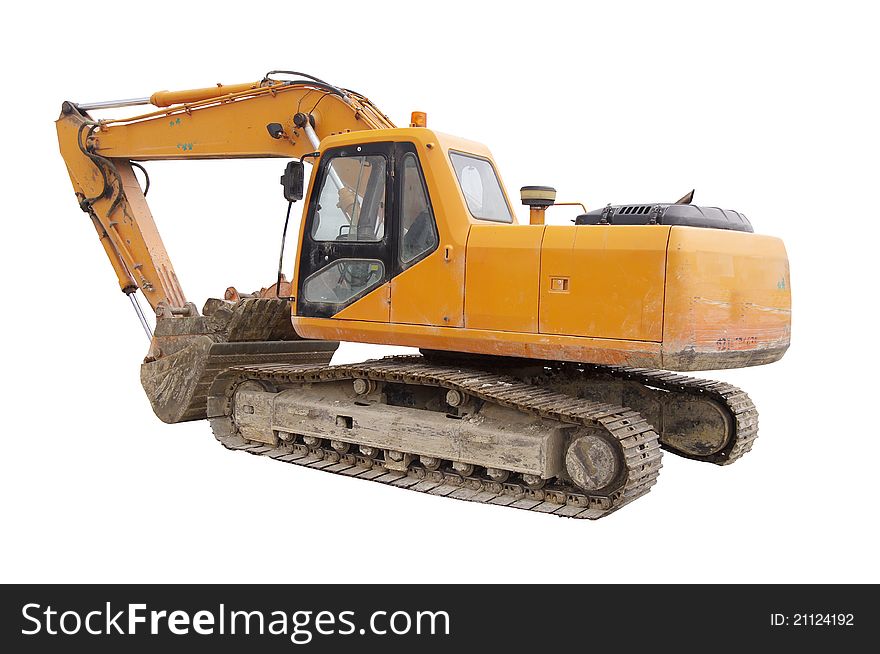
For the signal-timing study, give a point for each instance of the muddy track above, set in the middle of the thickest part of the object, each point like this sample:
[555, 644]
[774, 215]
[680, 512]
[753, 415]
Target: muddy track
[635, 443]
[740, 414]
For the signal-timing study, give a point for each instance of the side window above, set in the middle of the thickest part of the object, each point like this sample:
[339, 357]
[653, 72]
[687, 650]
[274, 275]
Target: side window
[480, 187]
[418, 231]
[351, 204]
[340, 281]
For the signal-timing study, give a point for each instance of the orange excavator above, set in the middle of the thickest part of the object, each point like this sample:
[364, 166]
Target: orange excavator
[549, 374]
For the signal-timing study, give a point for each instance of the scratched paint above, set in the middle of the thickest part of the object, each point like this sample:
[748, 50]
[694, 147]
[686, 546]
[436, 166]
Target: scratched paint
[736, 343]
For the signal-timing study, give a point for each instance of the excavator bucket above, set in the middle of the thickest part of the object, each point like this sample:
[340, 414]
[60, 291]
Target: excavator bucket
[190, 351]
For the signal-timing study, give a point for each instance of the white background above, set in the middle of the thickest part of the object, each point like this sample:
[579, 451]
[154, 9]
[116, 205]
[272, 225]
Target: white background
[768, 108]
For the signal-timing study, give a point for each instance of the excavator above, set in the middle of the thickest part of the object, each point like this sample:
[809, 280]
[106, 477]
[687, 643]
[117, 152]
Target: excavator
[550, 356]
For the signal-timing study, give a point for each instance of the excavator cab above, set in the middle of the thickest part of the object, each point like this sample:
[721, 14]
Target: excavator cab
[369, 218]
[409, 238]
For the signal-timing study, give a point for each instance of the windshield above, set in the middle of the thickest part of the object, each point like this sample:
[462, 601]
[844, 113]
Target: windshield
[480, 187]
[351, 204]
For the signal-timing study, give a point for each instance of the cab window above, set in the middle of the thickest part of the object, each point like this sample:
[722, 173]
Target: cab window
[418, 230]
[342, 280]
[351, 204]
[480, 186]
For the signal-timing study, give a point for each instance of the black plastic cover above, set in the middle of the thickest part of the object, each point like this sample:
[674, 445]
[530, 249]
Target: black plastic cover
[687, 215]
[292, 181]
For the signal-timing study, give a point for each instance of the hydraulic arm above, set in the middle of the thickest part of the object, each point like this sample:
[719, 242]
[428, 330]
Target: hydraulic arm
[269, 118]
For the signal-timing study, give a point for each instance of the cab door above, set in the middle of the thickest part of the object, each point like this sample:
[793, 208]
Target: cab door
[346, 253]
[422, 292]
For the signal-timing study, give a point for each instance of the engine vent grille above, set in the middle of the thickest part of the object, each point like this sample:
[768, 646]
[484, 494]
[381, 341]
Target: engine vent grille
[635, 209]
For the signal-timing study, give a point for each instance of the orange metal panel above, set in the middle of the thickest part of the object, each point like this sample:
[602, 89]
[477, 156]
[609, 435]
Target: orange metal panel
[608, 281]
[728, 296]
[482, 341]
[728, 305]
[430, 293]
[374, 306]
[557, 263]
[501, 282]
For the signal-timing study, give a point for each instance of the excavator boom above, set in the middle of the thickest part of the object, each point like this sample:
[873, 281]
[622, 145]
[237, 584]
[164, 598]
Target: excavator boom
[223, 122]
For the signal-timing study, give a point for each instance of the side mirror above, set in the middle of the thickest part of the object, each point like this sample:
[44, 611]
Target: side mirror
[292, 181]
